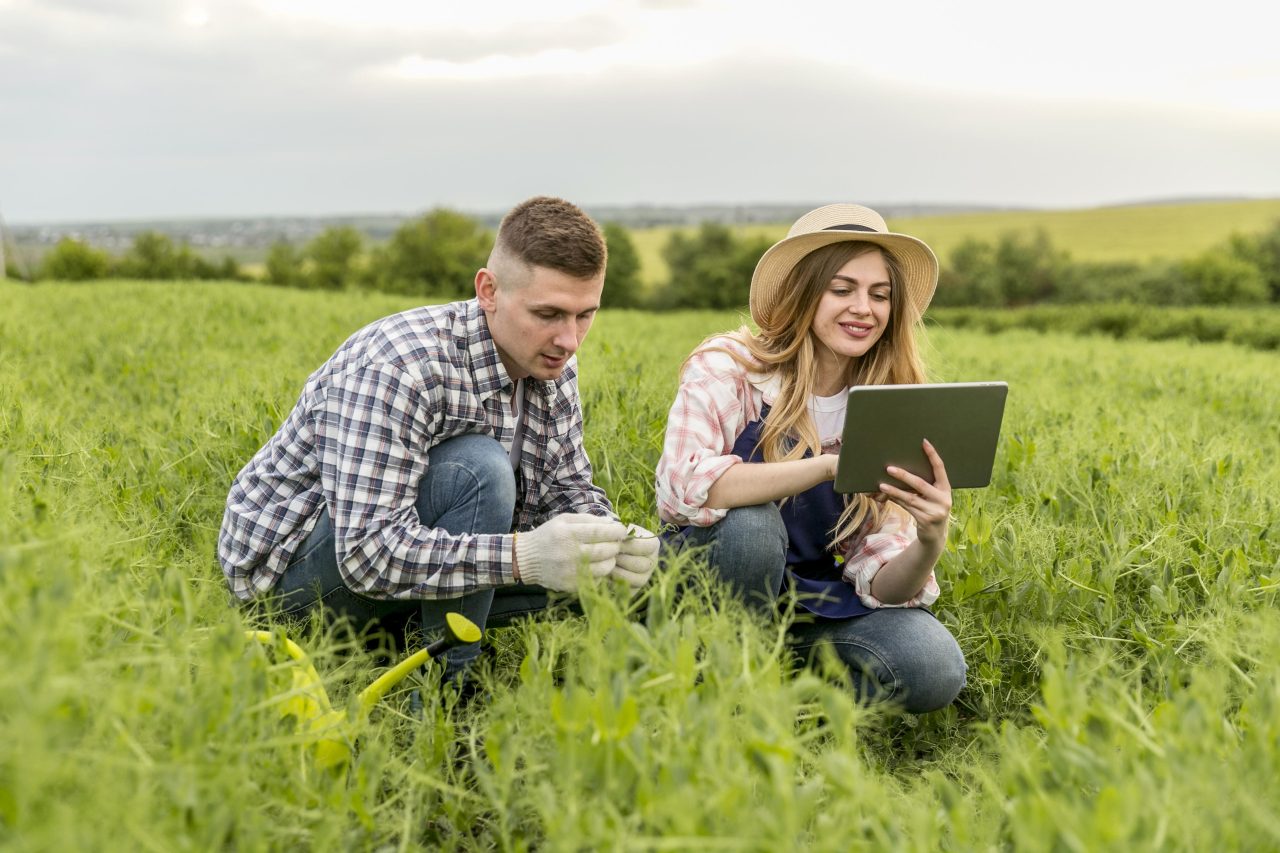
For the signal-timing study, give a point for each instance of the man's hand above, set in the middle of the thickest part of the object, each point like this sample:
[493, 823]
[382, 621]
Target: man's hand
[551, 554]
[637, 556]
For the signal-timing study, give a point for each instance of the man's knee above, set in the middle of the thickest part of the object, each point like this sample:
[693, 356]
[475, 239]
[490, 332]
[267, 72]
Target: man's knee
[482, 455]
[469, 469]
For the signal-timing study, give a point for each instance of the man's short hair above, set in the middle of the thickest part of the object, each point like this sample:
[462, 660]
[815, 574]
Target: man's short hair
[553, 233]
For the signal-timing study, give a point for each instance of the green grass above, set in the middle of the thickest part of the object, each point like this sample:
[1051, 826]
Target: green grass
[1114, 591]
[1138, 233]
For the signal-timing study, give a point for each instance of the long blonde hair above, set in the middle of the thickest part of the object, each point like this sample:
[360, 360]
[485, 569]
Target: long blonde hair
[785, 347]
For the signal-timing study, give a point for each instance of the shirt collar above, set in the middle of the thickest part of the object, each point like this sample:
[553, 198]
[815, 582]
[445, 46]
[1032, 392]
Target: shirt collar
[769, 385]
[482, 358]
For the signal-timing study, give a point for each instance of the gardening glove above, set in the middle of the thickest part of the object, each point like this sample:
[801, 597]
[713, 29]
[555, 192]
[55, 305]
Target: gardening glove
[551, 554]
[637, 556]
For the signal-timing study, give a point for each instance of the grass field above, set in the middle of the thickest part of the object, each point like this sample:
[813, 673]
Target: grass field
[1114, 591]
[1138, 233]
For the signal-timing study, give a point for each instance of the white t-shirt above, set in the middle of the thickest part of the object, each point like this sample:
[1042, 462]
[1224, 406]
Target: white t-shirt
[517, 407]
[828, 416]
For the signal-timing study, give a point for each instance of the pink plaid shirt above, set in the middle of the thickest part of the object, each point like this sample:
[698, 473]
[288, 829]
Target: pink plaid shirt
[716, 401]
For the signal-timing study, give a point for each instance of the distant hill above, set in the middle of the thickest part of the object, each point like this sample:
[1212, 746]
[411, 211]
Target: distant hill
[1136, 231]
[1125, 232]
[261, 231]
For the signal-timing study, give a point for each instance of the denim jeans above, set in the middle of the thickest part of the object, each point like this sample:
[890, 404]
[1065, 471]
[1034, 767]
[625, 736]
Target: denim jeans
[902, 655]
[469, 488]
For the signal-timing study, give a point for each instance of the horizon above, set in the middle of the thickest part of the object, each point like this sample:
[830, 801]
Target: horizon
[932, 208]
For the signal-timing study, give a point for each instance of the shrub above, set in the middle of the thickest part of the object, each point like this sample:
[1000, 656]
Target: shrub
[72, 260]
[230, 270]
[1257, 329]
[1107, 281]
[971, 278]
[1263, 251]
[153, 256]
[284, 265]
[1220, 278]
[332, 257]
[710, 269]
[1028, 269]
[622, 284]
[435, 255]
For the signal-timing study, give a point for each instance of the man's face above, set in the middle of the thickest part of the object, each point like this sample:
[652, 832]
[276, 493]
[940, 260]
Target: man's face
[539, 319]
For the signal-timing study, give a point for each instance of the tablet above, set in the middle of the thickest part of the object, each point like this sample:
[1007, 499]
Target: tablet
[885, 424]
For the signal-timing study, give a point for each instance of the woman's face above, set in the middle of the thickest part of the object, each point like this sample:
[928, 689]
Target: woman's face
[853, 312]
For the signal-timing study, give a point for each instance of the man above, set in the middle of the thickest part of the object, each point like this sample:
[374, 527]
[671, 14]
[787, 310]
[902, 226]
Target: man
[414, 452]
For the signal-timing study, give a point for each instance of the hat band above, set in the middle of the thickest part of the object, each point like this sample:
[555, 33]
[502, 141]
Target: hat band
[850, 228]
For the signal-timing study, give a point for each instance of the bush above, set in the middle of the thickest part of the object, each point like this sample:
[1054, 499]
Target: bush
[331, 257]
[1257, 329]
[1028, 269]
[1017, 270]
[229, 270]
[971, 278]
[1263, 251]
[153, 256]
[435, 255]
[622, 284]
[284, 265]
[72, 260]
[1220, 278]
[710, 269]
[1094, 281]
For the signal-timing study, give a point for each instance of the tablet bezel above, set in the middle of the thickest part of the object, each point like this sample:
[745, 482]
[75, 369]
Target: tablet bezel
[885, 425]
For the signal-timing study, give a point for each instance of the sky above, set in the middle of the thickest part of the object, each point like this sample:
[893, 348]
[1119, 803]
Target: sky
[139, 109]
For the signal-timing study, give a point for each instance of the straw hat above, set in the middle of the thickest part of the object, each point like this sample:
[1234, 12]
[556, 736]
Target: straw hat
[838, 223]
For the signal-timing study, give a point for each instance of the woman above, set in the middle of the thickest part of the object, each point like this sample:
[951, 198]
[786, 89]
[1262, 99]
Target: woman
[749, 456]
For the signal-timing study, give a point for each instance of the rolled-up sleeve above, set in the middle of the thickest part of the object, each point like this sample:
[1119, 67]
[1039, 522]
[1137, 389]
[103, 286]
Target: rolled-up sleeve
[868, 553]
[713, 405]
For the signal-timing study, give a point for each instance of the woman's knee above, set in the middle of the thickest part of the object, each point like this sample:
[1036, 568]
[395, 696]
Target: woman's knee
[902, 655]
[749, 550]
[929, 668]
[754, 531]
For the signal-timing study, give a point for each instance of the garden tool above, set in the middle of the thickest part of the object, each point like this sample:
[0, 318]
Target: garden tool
[332, 733]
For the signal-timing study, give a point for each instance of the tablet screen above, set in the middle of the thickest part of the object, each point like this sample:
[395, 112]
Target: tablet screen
[885, 425]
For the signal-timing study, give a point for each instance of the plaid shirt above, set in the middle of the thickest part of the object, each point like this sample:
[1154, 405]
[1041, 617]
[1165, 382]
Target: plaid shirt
[357, 442]
[716, 401]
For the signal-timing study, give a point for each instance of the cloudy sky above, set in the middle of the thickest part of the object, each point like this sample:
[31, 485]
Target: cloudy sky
[165, 108]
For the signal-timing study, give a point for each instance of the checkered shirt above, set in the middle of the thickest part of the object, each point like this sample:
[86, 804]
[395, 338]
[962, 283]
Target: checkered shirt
[716, 401]
[357, 443]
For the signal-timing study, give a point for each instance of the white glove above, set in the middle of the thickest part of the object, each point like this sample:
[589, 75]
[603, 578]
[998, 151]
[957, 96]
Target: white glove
[551, 554]
[637, 556]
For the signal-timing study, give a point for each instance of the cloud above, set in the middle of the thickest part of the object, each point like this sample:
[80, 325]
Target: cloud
[153, 108]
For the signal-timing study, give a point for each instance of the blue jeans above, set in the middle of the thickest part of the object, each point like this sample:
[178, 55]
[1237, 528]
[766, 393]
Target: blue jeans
[469, 488]
[902, 655]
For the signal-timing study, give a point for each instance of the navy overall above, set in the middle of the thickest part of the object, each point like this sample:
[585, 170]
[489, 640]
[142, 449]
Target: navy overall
[809, 518]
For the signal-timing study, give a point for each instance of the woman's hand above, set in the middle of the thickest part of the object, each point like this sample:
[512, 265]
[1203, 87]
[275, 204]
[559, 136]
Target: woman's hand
[928, 503]
[831, 456]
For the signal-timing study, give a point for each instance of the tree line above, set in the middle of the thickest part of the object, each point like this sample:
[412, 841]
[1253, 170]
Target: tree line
[436, 255]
